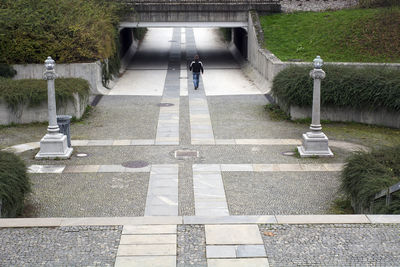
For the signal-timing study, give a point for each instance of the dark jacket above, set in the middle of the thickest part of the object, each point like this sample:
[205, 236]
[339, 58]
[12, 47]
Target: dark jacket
[196, 66]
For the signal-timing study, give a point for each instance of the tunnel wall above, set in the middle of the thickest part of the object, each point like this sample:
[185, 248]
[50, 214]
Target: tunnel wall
[125, 40]
[239, 39]
[128, 47]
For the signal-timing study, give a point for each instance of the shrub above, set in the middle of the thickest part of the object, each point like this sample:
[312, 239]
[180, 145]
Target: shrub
[368, 173]
[370, 88]
[139, 33]
[7, 71]
[68, 30]
[226, 33]
[33, 92]
[276, 113]
[14, 184]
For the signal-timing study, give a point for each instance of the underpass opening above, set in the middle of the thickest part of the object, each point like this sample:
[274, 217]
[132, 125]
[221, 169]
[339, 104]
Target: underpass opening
[151, 59]
[130, 37]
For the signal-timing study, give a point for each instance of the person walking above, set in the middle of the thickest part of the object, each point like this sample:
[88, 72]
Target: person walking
[196, 66]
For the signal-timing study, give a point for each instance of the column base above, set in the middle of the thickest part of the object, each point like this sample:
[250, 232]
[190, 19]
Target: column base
[314, 145]
[54, 146]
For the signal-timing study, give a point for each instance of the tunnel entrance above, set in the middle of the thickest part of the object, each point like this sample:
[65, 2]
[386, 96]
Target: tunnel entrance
[129, 37]
[146, 73]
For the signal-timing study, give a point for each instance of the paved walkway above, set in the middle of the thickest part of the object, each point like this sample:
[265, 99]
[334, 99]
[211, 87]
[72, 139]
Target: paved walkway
[324, 240]
[188, 178]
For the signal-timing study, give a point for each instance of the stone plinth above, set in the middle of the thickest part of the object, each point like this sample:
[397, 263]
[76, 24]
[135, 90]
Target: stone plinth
[314, 145]
[54, 146]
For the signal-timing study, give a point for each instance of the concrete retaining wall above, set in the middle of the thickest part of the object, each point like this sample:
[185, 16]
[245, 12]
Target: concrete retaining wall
[88, 71]
[378, 117]
[26, 114]
[316, 5]
[261, 59]
[91, 71]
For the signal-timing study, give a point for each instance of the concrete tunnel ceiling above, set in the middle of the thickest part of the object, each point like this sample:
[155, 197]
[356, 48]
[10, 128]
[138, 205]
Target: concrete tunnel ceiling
[194, 13]
[183, 25]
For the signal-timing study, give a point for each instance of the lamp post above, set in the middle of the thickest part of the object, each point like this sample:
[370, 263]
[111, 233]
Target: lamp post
[54, 144]
[315, 143]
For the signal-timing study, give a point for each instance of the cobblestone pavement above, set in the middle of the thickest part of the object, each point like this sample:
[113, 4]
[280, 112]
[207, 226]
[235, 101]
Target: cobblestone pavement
[245, 117]
[89, 194]
[61, 246]
[288, 192]
[191, 246]
[332, 245]
[116, 118]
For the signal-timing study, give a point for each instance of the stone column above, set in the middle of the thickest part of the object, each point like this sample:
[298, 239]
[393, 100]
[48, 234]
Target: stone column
[50, 75]
[315, 143]
[54, 144]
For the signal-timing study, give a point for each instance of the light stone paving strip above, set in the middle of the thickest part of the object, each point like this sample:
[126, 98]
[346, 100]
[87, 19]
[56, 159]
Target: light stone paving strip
[201, 171]
[158, 221]
[147, 245]
[168, 121]
[209, 193]
[183, 81]
[235, 245]
[84, 169]
[149, 142]
[169, 116]
[162, 195]
[200, 121]
[46, 168]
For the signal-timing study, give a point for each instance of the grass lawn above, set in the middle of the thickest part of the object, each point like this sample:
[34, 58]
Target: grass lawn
[368, 135]
[352, 35]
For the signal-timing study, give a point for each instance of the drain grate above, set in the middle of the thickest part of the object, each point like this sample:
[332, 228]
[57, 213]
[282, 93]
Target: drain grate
[186, 154]
[135, 164]
[165, 104]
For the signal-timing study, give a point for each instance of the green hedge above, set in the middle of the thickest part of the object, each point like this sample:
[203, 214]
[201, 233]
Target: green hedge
[368, 173]
[68, 30]
[34, 92]
[14, 184]
[139, 33]
[366, 88]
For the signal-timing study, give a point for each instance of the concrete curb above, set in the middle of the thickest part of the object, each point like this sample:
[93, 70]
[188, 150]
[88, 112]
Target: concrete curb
[172, 220]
